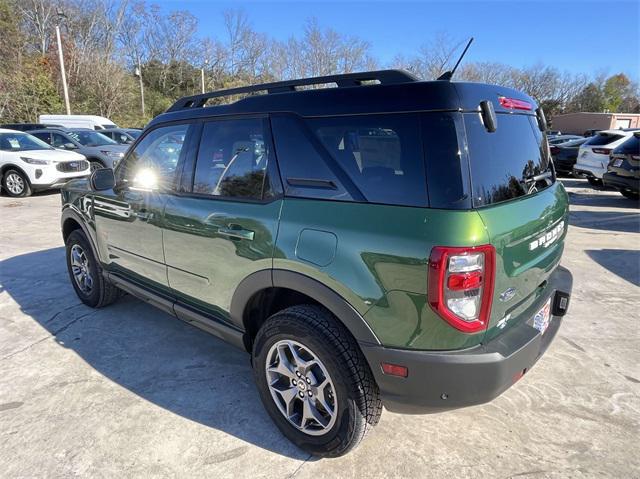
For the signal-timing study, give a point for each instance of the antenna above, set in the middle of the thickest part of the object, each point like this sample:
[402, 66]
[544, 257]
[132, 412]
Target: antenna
[448, 74]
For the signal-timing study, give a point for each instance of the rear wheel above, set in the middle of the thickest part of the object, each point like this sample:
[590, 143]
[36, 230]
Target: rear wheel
[314, 381]
[86, 274]
[16, 184]
[632, 195]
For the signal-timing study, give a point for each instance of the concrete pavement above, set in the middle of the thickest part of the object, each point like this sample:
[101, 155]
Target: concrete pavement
[128, 391]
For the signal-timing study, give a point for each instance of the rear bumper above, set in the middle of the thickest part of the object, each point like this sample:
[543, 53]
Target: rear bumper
[626, 183]
[588, 171]
[443, 380]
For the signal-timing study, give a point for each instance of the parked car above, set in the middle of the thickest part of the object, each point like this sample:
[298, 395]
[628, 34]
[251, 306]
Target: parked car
[92, 122]
[623, 171]
[28, 164]
[102, 152]
[123, 136]
[565, 155]
[26, 126]
[593, 156]
[591, 132]
[552, 133]
[297, 226]
[561, 139]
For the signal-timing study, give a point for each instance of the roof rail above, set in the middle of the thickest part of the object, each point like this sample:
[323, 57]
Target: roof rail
[385, 77]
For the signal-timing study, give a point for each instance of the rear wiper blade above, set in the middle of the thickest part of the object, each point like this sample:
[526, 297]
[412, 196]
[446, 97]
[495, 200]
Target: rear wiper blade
[535, 178]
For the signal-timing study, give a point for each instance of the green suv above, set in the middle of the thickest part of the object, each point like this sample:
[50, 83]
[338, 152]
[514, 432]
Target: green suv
[386, 241]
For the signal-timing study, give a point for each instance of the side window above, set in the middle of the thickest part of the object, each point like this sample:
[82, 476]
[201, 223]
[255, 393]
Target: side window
[305, 172]
[233, 159]
[46, 137]
[153, 163]
[58, 140]
[381, 154]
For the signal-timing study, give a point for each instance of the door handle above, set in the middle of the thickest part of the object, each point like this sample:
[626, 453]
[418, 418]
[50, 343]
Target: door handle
[236, 231]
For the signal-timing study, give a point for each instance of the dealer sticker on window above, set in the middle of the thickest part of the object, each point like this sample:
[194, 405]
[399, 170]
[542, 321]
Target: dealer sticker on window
[543, 317]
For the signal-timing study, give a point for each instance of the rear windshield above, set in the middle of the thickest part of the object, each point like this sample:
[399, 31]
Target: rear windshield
[602, 139]
[629, 147]
[509, 162]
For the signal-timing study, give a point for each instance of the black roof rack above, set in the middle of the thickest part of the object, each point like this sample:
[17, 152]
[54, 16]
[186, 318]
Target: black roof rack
[385, 77]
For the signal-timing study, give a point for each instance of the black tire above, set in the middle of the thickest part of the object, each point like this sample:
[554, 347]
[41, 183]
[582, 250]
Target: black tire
[95, 165]
[358, 398]
[632, 195]
[101, 293]
[594, 181]
[16, 184]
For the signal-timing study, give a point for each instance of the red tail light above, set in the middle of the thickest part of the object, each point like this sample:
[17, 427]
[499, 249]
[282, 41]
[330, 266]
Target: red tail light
[461, 285]
[514, 104]
[602, 151]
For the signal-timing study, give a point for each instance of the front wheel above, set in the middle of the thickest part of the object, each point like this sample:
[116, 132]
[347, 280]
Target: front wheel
[314, 381]
[16, 184]
[95, 165]
[85, 273]
[594, 181]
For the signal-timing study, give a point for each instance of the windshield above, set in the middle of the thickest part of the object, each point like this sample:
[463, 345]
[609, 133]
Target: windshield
[134, 133]
[90, 138]
[21, 142]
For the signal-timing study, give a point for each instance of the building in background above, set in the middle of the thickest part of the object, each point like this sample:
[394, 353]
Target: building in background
[579, 123]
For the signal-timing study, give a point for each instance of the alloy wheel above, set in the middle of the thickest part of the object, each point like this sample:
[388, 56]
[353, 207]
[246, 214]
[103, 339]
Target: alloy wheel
[14, 183]
[301, 387]
[80, 269]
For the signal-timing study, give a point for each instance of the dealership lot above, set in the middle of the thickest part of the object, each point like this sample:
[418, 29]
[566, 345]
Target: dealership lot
[129, 391]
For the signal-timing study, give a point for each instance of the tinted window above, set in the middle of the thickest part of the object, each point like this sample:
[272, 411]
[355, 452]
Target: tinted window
[631, 146]
[602, 139]
[58, 140]
[381, 154]
[46, 137]
[304, 171]
[232, 159]
[503, 162]
[152, 164]
[447, 173]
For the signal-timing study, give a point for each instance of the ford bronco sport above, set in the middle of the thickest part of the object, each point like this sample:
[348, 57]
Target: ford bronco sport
[385, 241]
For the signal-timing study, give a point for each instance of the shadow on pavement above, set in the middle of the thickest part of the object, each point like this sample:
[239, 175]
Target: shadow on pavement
[622, 262]
[626, 222]
[161, 359]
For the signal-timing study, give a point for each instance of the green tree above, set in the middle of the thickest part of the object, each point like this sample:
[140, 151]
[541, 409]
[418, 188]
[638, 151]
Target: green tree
[615, 90]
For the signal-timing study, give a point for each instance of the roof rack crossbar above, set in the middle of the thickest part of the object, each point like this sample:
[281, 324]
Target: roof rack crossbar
[385, 77]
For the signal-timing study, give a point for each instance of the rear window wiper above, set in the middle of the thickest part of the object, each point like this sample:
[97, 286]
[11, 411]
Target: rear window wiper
[532, 180]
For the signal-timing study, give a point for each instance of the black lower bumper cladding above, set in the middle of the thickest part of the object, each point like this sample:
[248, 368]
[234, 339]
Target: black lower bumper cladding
[442, 380]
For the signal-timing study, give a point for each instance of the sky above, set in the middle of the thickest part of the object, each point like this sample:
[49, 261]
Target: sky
[588, 36]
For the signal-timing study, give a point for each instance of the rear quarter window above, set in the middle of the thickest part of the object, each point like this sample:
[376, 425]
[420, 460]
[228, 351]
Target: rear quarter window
[502, 161]
[381, 154]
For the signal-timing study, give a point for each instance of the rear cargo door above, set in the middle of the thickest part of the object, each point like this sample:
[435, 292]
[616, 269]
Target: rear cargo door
[523, 208]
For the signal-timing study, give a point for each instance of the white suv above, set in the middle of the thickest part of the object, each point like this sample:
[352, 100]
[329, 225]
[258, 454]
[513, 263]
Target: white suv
[28, 164]
[593, 156]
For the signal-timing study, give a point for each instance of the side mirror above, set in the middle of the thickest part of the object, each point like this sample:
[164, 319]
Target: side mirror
[70, 146]
[102, 179]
